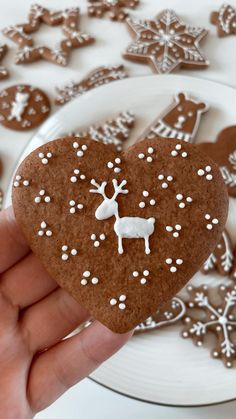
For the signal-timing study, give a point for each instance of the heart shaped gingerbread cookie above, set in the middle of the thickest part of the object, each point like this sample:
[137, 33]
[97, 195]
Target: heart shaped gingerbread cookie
[122, 234]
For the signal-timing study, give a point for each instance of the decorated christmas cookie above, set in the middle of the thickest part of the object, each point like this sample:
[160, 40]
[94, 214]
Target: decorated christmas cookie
[122, 234]
[217, 318]
[98, 8]
[73, 37]
[225, 20]
[169, 314]
[234, 267]
[221, 260]
[180, 120]
[113, 132]
[23, 107]
[98, 77]
[223, 152]
[3, 71]
[166, 43]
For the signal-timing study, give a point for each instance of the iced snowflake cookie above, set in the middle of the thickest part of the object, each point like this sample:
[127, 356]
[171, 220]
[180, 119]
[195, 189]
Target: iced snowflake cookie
[224, 20]
[218, 317]
[170, 313]
[98, 77]
[166, 43]
[23, 107]
[113, 132]
[73, 37]
[223, 152]
[115, 8]
[3, 71]
[180, 120]
[221, 260]
[121, 233]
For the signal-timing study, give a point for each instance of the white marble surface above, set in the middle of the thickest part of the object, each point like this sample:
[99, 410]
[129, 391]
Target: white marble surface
[88, 400]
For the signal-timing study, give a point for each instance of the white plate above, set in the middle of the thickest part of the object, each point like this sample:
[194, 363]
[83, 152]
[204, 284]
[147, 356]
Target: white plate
[158, 367]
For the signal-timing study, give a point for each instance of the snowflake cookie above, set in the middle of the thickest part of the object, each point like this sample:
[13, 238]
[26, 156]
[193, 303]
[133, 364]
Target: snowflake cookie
[221, 260]
[218, 318]
[73, 37]
[166, 43]
[224, 20]
[115, 8]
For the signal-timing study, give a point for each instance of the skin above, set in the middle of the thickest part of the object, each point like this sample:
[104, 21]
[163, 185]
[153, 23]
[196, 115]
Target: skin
[36, 366]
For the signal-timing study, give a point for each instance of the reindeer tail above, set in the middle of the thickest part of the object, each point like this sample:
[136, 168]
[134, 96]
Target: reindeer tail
[151, 220]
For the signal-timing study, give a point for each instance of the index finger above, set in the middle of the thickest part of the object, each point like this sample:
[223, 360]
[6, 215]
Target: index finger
[13, 246]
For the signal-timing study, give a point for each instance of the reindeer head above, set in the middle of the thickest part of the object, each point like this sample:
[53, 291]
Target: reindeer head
[109, 206]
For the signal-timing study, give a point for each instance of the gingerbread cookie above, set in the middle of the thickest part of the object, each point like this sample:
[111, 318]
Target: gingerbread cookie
[224, 20]
[217, 318]
[23, 107]
[223, 152]
[113, 132]
[180, 120]
[98, 221]
[167, 315]
[98, 77]
[3, 71]
[98, 8]
[233, 275]
[166, 43]
[73, 37]
[221, 260]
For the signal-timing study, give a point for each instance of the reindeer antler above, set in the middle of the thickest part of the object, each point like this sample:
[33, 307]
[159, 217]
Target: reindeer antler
[118, 188]
[100, 188]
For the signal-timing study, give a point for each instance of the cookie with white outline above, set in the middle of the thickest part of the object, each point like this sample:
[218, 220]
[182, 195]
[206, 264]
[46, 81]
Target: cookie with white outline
[140, 264]
[221, 260]
[223, 152]
[224, 20]
[23, 107]
[115, 8]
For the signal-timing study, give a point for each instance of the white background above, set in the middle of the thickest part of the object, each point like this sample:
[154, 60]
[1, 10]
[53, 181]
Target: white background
[88, 400]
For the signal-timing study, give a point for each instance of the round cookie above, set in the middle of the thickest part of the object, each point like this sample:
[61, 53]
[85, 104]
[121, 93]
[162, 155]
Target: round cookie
[23, 107]
[98, 220]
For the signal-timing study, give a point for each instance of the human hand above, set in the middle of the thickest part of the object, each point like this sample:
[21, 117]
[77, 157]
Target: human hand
[36, 365]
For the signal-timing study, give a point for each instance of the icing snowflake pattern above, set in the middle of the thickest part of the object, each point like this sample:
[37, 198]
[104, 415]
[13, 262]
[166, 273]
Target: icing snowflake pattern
[166, 43]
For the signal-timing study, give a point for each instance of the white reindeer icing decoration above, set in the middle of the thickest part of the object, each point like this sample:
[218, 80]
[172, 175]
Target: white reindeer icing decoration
[18, 106]
[124, 227]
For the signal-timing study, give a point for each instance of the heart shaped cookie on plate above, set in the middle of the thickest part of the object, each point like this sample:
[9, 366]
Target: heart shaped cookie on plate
[121, 233]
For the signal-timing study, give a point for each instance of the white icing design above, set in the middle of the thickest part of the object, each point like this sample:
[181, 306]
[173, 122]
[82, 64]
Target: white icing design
[175, 231]
[20, 181]
[144, 276]
[124, 227]
[232, 159]
[165, 180]
[173, 264]
[18, 106]
[211, 221]
[183, 201]
[229, 178]
[66, 252]
[45, 157]
[80, 149]
[178, 151]
[225, 259]
[115, 165]
[42, 197]
[88, 278]
[77, 175]
[148, 157]
[227, 17]
[96, 241]
[120, 301]
[206, 172]
[74, 206]
[43, 230]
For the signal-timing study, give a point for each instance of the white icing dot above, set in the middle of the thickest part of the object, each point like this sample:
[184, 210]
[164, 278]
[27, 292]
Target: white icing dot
[42, 192]
[16, 184]
[82, 177]
[37, 199]
[182, 205]
[64, 248]
[184, 154]
[102, 236]
[26, 183]
[215, 221]
[174, 153]
[161, 177]
[168, 261]
[150, 150]
[76, 171]
[94, 281]
[143, 281]
[49, 233]
[122, 297]
[209, 177]
[200, 172]
[152, 202]
[149, 159]
[64, 256]
[86, 274]
[117, 160]
[84, 147]
[80, 153]
[145, 273]
[178, 227]
[72, 210]
[41, 155]
[179, 197]
[18, 177]
[209, 227]
[113, 302]
[72, 203]
[169, 178]
[178, 147]
[49, 155]
[93, 236]
[83, 281]
[189, 199]
[96, 244]
[110, 165]
[141, 156]
[45, 161]
[173, 269]
[80, 206]
[135, 274]
[145, 193]
[122, 306]
[40, 233]
[207, 216]
[164, 185]
[117, 170]
[47, 199]
[43, 224]
[208, 169]
[169, 228]
[175, 234]
[179, 261]
[142, 204]
[75, 145]
[73, 179]
[73, 252]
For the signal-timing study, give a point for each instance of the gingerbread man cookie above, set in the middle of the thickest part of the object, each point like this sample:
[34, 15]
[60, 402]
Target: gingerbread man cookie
[181, 120]
[221, 260]
[94, 227]
[23, 107]
[224, 20]
[73, 37]
[223, 152]
[98, 77]
[3, 71]
[113, 132]
[166, 43]
[98, 8]
[219, 319]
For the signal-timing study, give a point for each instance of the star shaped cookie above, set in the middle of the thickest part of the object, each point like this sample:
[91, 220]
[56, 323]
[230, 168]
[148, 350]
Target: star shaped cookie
[97, 8]
[73, 37]
[166, 43]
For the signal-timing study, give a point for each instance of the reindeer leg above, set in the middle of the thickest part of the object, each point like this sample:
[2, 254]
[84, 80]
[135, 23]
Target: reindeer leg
[120, 247]
[147, 249]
